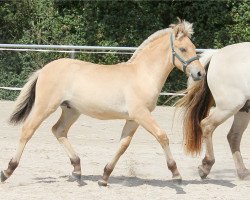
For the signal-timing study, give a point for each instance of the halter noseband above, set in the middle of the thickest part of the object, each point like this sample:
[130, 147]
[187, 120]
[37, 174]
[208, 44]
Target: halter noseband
[174, 54]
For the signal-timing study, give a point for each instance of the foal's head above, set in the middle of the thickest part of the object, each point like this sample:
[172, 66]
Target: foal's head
[183, 50]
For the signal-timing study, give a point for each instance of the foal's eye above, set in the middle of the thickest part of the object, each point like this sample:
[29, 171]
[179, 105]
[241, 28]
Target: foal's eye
[182, 49]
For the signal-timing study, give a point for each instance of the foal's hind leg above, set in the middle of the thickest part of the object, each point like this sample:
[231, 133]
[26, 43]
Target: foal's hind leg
[208, 125]
[241, 120]
[126, 137]
[37, 115]
[60, 130]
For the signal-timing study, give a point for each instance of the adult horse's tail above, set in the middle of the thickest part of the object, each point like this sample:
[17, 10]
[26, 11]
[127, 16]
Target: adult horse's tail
[25, 101]
[196, 105]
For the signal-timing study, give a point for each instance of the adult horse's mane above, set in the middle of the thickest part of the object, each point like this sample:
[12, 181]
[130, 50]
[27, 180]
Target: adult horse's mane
[182, 28]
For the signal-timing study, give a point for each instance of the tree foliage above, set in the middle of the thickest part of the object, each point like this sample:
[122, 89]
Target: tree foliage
[109, 23]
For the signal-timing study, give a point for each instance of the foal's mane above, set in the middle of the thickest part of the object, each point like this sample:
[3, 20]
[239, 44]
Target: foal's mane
[181, 29]
[150, 39]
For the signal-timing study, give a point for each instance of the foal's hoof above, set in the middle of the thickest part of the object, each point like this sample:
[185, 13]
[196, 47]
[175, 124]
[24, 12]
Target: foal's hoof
[202, 174]
[75, 177]
[102, 183]
[177, 179]
[3, 177]
[244, 175]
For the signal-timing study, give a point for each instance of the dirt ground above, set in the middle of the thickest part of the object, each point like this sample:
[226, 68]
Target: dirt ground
[141, 173]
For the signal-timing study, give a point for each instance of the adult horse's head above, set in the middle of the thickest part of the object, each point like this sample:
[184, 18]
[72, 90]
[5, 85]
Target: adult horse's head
[183, 50]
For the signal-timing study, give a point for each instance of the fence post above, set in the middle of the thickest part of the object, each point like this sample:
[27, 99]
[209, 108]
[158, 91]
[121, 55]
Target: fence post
[72, 54]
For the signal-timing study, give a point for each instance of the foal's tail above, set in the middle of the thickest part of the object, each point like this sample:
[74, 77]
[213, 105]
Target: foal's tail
[196, 105]
[25, 101]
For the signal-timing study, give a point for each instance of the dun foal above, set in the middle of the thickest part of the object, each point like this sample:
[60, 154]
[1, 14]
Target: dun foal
[123, 91]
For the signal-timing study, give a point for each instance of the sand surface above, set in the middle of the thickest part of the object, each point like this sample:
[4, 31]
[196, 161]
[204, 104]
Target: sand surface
[141, 173]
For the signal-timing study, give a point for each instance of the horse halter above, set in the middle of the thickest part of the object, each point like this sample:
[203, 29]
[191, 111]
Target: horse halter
[174, 54]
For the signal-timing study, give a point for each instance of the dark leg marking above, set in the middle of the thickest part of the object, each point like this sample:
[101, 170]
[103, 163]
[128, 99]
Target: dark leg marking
[206, 166]
[207, 162]
[105, 177]
[11, 167]
[172, 166]
[76, 163]
[7, 173]
[77, 168]
[107, 172]
[3, 177]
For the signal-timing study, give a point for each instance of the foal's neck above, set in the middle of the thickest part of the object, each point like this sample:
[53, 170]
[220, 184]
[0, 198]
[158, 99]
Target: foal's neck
[154, 62]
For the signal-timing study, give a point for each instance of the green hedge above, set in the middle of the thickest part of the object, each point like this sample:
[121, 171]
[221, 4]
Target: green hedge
[109, 23]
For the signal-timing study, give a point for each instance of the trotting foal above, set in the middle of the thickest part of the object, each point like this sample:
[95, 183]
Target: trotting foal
[123, 91]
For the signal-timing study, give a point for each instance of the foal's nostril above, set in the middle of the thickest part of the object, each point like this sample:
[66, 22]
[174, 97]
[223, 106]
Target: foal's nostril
[199, 74]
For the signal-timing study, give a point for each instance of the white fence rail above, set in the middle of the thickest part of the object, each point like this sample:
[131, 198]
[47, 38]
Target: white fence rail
[71, 49]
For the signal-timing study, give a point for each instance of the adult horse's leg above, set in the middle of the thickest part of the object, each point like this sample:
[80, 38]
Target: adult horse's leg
[126, 137]
[145, 119]
[208, 125]
[60, 130]
[240, 123]
[37, 115]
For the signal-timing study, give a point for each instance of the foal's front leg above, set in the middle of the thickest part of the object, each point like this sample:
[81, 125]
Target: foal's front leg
[126, 137]
[145, 119]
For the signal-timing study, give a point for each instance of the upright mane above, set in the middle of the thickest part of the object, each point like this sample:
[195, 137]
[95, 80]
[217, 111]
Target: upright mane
[151, 38]
[181, 29]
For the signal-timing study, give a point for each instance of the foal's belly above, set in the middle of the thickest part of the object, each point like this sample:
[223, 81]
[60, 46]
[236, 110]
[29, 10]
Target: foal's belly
[103, 114]
[101, 108]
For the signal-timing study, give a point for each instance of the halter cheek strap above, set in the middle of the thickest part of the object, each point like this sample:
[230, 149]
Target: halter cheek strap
[184, 63]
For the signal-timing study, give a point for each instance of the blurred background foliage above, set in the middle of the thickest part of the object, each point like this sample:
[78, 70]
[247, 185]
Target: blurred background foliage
[109, 23]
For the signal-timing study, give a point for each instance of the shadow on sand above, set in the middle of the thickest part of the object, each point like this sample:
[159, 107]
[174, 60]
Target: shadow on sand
[135, 181]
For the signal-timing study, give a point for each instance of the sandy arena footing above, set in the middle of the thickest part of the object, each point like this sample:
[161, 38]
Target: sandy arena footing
[141, 173]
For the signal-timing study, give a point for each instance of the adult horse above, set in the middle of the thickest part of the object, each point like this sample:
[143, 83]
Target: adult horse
[227, 86]
[123, 91]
